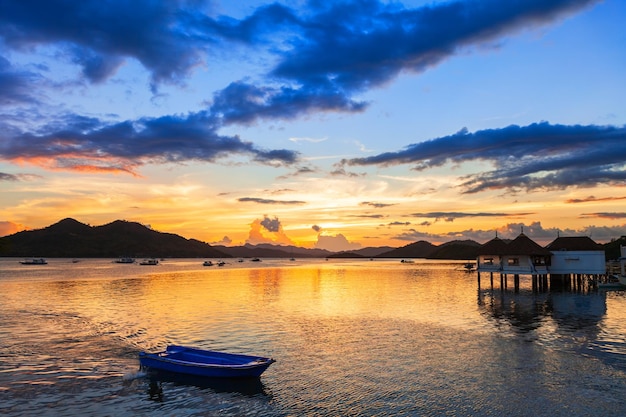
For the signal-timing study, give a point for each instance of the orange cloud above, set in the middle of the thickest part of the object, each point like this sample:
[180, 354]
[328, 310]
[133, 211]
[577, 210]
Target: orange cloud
[8, 228]
[69, 162]
[268, 230]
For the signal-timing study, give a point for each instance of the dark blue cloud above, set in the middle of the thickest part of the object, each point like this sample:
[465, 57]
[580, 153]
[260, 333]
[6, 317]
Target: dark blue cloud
[100, 33]
[15, 85]
[327, 51]
[244, 103]
[84, 142]
[356, 45]
[540, 155]
[341, 49]
[325, 54]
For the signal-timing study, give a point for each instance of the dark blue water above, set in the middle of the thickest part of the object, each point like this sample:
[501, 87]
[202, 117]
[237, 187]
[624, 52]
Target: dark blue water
[370, 338]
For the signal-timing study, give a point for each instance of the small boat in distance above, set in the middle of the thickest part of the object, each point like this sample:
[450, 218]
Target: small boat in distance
[469, 267]
[207, 363]
[407, 261]
[207, 263]
[614, 282]
[150, 261]
[34, 261]
[221, 263]
[125, 260]
[256, 260]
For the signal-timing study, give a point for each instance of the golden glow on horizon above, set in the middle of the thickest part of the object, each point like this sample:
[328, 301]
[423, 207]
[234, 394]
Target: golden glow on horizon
[372, 213]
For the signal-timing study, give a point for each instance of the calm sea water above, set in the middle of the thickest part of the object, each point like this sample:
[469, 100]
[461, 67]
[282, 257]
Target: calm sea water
[351, 338]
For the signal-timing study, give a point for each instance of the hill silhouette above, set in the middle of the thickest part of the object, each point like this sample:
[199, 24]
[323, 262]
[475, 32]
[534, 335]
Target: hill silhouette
[71, 238]
[420, 249]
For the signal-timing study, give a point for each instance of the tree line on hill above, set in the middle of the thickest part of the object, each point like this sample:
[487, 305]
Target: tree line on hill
[70, 238]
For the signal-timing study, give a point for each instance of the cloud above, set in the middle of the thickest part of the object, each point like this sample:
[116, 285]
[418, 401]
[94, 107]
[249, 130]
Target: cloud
[8, 177]
[245, 103]
[604, 215]
[592, 199]
[271, 225]
[310, 140]
[9, 228]
[316, 228]
[299, 170]
[268, 230]
[17, 177]
[267, 201]
[224, 242]
[534, 230]
[351, 46]
[99, 35]
[87, 144]
[324, 56]
[449, 216]
[537, 156]
[399, 224]
[376, 205]
[324, 52]
[16, 85]
[341, 49]
[336, 243]
[368, 216]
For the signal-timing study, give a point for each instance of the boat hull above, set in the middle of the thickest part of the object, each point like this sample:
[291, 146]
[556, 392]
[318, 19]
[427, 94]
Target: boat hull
[206, 363]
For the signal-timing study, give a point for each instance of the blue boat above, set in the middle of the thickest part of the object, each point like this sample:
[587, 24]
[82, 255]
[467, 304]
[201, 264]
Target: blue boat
[208, 363]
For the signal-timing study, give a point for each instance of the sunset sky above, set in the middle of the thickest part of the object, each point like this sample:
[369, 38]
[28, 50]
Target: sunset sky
[332, 124]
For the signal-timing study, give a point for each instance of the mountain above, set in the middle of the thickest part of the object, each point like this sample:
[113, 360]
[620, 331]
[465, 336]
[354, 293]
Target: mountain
[421, 249]
[457, 249]
[272, 251]
[70, 238]
[372, 252]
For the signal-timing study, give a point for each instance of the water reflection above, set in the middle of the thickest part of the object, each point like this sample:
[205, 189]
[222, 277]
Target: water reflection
[561, 320]
[368, 339]
[160, 381]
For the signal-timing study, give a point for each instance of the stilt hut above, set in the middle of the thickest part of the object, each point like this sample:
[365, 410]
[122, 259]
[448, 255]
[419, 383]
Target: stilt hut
[577, 258]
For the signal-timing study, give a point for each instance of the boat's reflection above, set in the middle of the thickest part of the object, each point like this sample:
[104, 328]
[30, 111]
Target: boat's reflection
[159, 381]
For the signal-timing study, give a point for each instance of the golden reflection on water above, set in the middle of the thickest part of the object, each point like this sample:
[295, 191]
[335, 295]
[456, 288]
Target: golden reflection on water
[173, 298]
[356, 336]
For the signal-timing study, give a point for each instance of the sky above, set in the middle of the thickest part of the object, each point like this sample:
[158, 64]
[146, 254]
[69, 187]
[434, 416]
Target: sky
[322, 124]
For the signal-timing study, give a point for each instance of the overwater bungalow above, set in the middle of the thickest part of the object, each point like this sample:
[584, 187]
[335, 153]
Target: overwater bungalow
[520, 256]
[563, 260]
[576, 255]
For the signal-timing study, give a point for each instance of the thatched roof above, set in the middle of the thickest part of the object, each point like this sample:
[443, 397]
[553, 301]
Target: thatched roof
[495, 246]
[577, 243]
[521, 245]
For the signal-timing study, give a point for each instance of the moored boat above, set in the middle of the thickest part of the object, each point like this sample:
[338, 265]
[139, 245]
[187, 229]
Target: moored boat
[208, 363]
[614, 282]
[469, 267]
[151, 261]
[125, 260]
[34, 261]
[207, 263]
